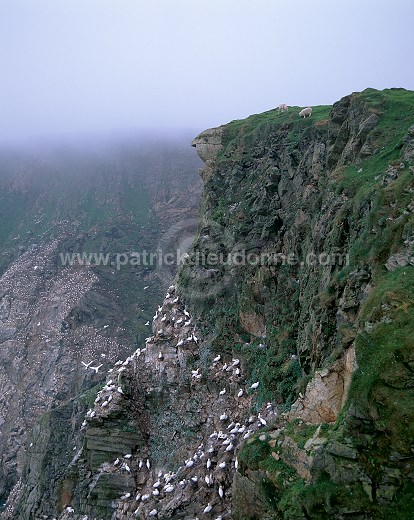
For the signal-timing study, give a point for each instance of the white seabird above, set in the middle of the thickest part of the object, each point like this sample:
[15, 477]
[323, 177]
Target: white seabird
[96, 368]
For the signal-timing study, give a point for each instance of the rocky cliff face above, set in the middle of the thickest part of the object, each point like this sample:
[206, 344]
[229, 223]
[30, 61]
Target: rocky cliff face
[277, 382]
[64, 324]
[324, 208]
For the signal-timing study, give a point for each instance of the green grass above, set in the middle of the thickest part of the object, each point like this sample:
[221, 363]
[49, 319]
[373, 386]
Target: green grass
[322, 500]
[394, 109]
[88, 397]
[384, 357]
[253, 453]
[300, 431]
[243, 134]
[276, 475]
[394, 289]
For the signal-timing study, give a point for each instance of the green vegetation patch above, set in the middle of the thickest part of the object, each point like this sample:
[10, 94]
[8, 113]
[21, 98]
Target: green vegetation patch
[245, 134]
[88, 397]
[394, 108]
[300, 431]
[383, 386]
[257, 455]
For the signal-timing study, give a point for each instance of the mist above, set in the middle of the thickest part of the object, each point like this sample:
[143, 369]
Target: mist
[101, 66]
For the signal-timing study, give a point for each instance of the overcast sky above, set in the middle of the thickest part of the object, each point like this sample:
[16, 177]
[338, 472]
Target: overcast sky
[89, 65]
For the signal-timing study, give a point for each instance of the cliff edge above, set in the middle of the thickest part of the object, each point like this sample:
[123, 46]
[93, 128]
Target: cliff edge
[278, 378]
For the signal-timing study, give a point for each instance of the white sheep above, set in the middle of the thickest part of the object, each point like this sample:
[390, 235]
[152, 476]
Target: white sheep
[306, 112]
[282, 107]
